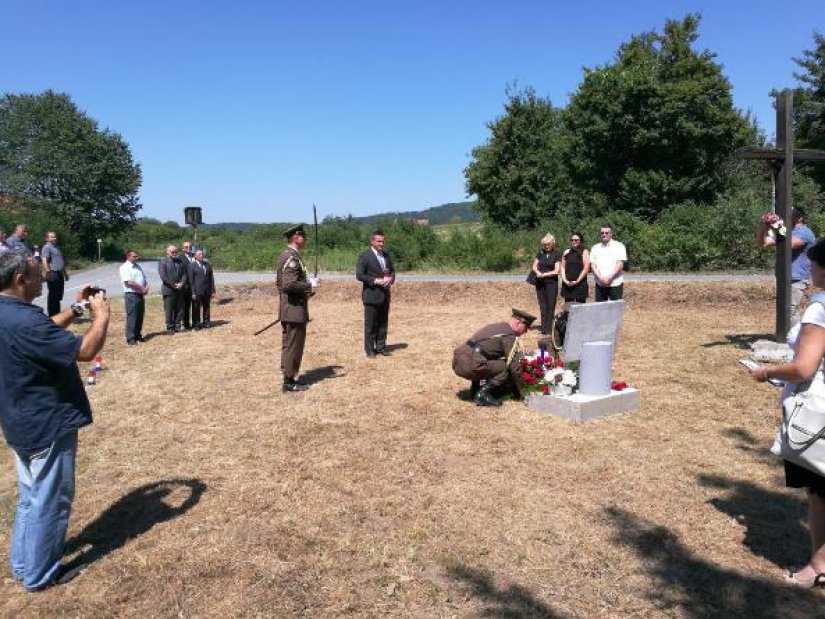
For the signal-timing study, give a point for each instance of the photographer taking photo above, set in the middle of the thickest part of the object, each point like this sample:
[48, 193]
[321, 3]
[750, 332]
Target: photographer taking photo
[43, 403]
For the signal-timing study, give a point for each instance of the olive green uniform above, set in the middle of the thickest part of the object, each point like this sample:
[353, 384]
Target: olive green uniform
[294, 290]
[487, 355]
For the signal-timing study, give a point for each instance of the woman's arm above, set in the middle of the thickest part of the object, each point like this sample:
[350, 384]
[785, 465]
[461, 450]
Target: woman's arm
[556, 269]
[809, 353]
[564, 269]
[585, 265]
[535, 267]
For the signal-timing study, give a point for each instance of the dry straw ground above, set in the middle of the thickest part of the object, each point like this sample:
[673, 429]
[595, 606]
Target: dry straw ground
[204, 491]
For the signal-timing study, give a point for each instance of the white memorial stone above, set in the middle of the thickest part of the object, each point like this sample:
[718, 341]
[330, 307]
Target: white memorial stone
[595, 368]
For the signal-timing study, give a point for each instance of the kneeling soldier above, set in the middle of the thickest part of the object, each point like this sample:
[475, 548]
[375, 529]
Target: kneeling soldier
[489, 355]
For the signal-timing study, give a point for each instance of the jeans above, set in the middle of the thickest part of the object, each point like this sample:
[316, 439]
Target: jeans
[45, 489]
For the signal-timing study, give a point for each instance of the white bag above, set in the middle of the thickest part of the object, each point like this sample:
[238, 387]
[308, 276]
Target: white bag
[800, 436]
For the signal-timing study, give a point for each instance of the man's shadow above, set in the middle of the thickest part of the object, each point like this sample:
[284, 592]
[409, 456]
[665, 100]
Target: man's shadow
[132, 515]
[740, 340]
[316, 375]
[398, 346]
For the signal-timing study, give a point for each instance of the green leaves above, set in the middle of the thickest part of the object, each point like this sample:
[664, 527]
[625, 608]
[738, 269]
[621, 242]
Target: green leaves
[53, 152]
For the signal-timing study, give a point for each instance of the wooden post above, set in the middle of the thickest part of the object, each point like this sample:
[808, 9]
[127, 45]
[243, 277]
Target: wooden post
[784, 207]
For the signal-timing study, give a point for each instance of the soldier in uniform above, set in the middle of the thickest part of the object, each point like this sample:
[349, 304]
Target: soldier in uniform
[489, 355]
[295, 288]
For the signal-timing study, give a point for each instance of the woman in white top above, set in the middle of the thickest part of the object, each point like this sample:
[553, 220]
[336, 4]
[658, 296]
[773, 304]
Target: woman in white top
[808, 342]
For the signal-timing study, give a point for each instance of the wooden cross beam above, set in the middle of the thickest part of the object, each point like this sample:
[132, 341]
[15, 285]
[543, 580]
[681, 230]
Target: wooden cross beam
[782, 158]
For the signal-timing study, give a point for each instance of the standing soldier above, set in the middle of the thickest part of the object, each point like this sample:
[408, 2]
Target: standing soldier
[294, 288]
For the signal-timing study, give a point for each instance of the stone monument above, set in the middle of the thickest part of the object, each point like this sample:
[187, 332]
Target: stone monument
[591, 337]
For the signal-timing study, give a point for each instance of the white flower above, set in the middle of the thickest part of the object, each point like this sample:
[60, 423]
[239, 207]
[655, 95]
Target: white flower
[568, 378]
[552, 373]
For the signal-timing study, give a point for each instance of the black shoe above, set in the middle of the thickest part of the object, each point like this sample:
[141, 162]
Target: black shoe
[132, 342]
[207, 325]
[474, 387]
[484, 397]
[140, 339]
[292, 385]
[171, 331]
[370, 355]
[383, 352]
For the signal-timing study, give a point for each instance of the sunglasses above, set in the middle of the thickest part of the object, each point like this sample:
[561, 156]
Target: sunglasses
[575, 240]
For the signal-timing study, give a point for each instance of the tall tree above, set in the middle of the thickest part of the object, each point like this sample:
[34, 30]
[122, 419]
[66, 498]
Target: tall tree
[809, 108]
[53, 155]
[518, 175]
[656, 127]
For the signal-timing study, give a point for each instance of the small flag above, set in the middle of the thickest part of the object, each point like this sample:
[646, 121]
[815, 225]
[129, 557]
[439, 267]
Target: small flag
[92, 377]
[98, 363]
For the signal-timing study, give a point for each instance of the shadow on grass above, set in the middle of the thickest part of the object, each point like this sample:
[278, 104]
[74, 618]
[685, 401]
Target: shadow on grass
[218, 323]
[398, 346]
[133, 515]
[686, 585]
[316, 375]
[749, 444]
[513, 601]
[771, 519]
[740, 340]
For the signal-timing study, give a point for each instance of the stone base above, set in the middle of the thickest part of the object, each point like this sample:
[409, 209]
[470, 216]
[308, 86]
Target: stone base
[768, 351]
[580, 408]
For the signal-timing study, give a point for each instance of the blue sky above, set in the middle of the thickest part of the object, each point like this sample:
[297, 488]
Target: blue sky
[256, 110]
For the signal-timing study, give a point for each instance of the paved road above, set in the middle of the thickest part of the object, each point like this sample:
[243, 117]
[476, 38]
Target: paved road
[106, 276]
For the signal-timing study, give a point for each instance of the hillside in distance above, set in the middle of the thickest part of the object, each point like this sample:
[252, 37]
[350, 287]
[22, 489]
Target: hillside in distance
[451, 213]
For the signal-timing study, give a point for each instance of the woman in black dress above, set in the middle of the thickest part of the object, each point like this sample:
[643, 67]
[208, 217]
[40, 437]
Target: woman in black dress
[575, 264]
[546, 266]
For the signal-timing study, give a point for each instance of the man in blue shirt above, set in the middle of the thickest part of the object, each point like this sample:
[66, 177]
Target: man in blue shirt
[42, 405]
[802, 237]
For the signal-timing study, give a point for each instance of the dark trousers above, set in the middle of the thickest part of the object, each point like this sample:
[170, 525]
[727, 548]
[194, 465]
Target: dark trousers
[546, 293]
[135, 308]
[55, 283]
[609, 293]
[376, 323]
[172, 307]
[187, 307]
[293, 337]
[201, 303]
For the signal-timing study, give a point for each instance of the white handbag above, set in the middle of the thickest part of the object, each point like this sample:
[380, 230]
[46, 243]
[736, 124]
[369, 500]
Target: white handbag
[800, 436]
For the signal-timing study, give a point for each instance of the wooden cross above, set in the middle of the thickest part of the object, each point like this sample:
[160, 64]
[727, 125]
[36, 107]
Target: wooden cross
[782, 158]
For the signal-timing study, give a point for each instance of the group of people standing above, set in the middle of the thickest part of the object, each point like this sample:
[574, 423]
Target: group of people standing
[50, 259]
[605, 261]
[187, 286]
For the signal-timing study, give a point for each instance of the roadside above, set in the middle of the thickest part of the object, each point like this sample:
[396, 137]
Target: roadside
[106, 276]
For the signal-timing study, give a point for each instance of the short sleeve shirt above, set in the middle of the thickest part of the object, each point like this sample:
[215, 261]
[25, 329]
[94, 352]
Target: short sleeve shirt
[41, 392]
[133, 272]
[604, 257]
[800, 263]
[54, 257]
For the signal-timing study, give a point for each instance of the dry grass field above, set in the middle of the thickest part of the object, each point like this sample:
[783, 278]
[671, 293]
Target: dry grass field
[203, 491]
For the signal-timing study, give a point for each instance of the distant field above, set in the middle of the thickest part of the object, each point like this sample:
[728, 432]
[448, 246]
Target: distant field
[203, 491]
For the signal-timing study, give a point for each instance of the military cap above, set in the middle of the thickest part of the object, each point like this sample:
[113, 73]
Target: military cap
[523, 316]
[293, 229]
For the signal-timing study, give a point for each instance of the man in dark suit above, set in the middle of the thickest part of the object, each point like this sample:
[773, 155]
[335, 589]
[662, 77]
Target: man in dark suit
[202, 282]
[173, 275]
[186, 259]
[375, 272]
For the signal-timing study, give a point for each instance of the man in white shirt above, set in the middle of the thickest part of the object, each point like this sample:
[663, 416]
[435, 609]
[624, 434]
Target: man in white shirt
[135, 288]
[607, 260]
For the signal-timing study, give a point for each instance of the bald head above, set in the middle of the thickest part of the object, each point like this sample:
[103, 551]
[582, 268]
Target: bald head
[171, 251]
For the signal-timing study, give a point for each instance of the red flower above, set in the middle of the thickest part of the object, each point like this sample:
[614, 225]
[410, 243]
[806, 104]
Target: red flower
[618, 385]
[559, 363]
[545, 389]
[526, 376]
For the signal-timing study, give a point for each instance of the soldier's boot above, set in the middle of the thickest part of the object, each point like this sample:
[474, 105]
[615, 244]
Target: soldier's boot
[485, 396]
[290, 384]
[474, 387]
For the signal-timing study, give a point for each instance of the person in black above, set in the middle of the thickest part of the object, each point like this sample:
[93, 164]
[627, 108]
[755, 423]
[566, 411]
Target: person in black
[186, 258]
[54, 267]
[375, 272]
[546, 266]
[575, 265]
[202, 282]
[173, 275]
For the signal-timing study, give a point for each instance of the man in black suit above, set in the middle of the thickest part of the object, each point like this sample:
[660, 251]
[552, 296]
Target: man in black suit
[375, 271]
[173, 275]
[202, 282]
[186, 259]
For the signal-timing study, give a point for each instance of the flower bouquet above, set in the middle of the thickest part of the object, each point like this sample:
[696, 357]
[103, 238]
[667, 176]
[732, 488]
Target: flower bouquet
[542, 373]
[774, 225]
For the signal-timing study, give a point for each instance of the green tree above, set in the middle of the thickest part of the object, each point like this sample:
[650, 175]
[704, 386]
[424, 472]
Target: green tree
[809, 104]
[55, 157]
[656, 127]
[518, 174]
